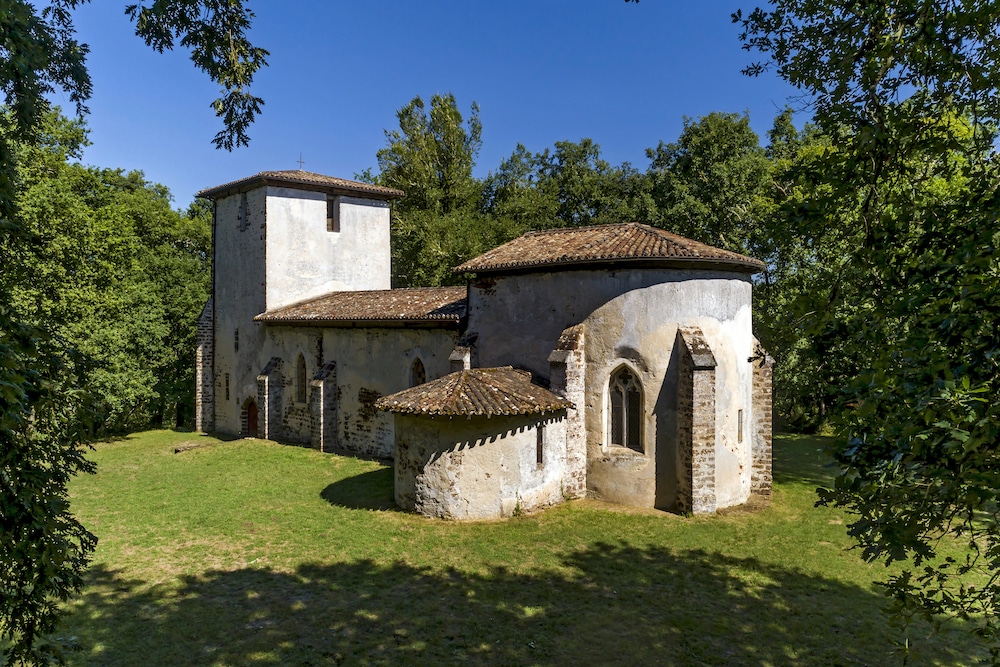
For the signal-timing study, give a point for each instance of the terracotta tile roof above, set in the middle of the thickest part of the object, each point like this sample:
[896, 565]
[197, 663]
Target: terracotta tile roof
[308, 179]
[603, 244]
[443, 305]
[485, 392]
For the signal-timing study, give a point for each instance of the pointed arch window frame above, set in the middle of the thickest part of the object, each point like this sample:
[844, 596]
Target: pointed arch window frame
[626, 410]
[418, 372]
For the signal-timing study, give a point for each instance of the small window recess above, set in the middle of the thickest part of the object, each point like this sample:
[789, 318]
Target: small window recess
[626, 410]
[227, 386]
[301, 380]
[418, 375]
[333, 213]
[236, 340]
[540, 446]
[739, 426]
[244, 215]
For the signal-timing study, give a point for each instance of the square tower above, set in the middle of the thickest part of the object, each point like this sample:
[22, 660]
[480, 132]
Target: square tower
[278, 238]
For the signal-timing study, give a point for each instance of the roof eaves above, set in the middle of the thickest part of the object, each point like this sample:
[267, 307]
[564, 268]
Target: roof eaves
[272, 178]
[748, 265]
[358, 321]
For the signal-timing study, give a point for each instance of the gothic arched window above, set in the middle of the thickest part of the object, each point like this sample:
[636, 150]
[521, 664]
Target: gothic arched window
[625, 403]
[301, 381]
[417, 373]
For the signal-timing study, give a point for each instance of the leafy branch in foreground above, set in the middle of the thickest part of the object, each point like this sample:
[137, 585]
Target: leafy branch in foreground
[909, 92]
[43, 549]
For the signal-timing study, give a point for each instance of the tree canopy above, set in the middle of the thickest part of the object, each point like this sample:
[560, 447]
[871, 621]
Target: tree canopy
[44, 414]
[907, 92]
[113, 272]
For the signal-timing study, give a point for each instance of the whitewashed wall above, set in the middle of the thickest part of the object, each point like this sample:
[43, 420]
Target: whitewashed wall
[478, 468]
[305, 260]
[630, 317]
[240, 278]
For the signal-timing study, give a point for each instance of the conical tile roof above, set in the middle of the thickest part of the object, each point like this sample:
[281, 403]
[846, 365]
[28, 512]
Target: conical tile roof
[604, 244]
[484, 392]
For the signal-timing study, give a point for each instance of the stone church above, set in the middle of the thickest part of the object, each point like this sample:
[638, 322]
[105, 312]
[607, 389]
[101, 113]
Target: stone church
[616, 362]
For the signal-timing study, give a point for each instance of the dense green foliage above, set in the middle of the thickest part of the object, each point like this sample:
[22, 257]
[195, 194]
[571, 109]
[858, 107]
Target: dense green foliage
[438, 224]
[43, 548]
[44, 411]
[909, 94]
[114, 273]
[712, 185]
[715, 183]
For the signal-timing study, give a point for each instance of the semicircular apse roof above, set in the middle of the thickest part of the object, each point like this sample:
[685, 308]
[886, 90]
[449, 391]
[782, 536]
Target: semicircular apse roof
[628, 242]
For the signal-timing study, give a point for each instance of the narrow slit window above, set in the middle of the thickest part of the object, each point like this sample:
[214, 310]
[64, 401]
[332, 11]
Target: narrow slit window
[333, 213]
[227, 386]
[300, 380]
[244, 214]
[236, 340]
[739, 426]
[540, 445]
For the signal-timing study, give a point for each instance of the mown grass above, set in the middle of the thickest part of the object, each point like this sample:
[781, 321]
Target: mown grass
[252, 553]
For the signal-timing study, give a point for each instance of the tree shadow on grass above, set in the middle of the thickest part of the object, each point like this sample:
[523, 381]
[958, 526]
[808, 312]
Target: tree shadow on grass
[371, 490]
[803, 459]
[607, 605]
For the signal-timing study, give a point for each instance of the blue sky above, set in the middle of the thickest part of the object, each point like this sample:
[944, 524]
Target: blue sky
[542, 71]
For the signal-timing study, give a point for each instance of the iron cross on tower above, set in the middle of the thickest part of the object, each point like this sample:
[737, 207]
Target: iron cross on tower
[300, 162]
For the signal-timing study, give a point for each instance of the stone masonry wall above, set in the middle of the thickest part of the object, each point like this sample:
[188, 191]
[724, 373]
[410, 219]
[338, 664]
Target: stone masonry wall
[703, 441]
[204, 389]
[269, 391]
[761, 426]
[323, 408]
[685, 410]
[696, 424]
[567, 369]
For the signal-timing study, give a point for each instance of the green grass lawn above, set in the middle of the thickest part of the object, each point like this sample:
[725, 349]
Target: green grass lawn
[253, 553]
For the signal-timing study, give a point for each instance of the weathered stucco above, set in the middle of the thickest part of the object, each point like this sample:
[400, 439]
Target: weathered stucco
[630, 318]
[478, 468]
[238, 295]
[369, 363]
[639, 329]
[283, 252]
[305, 259]
[517, 319]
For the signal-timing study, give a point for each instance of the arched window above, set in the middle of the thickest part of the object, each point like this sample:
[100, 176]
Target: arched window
[417, 373]
[301, 381]
[625, 402]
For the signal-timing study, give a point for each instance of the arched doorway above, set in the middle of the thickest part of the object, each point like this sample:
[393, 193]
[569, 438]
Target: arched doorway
[250, 429]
